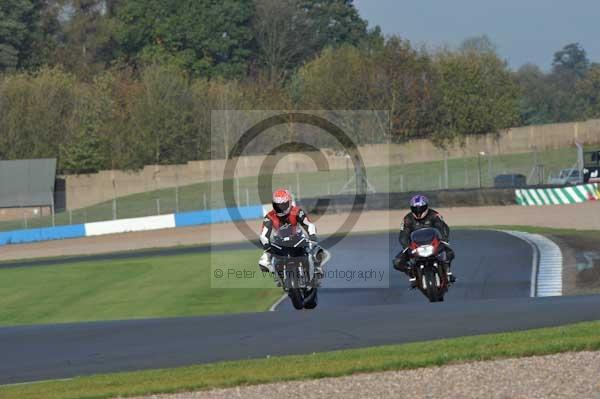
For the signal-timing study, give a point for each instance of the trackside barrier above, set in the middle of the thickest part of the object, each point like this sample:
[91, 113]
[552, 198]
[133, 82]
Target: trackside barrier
[135, 224]
[558, 196]
[130, 225]
[42, 234]
[218, 216]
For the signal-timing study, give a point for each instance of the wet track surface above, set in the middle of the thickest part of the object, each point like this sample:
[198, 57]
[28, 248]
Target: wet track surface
[493, 268]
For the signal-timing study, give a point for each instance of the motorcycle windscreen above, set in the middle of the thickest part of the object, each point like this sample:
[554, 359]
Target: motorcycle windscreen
[289, 236]
[425, 236]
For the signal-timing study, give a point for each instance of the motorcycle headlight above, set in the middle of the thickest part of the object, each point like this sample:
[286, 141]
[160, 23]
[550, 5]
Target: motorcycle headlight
[425, 250]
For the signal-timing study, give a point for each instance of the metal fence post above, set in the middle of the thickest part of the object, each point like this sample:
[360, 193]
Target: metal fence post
[446, 176]
[158, 206]
[479, 173]
[52, 209]
[176, 191]
[114, 209]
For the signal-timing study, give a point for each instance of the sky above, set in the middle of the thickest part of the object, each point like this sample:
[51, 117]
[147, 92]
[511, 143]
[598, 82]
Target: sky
[524, 31]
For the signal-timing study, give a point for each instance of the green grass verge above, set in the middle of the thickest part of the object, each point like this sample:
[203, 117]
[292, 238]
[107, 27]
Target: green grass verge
[577, 337]
[462, 173]
[162, 286]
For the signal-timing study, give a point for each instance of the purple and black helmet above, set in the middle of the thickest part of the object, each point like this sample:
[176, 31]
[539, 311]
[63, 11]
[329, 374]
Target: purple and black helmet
[419, 206]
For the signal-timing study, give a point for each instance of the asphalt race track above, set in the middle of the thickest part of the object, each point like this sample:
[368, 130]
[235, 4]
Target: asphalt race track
[357, 308]
[488, 265]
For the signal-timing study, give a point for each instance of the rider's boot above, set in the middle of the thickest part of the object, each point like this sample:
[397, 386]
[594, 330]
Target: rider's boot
[265, 262]
[265, 266]
[317, 259]
[319, 270]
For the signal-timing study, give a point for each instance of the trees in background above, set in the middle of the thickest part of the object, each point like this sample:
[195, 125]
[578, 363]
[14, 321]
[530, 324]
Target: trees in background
[570, 63]
[86, 43]
[35, 113]
[119, 84]
[14, 15]
[536, 104]
[588, 90]
[476, 94]
[285, 35]
[161, 120]
[337, 79]
[87, 147]
[563, 94]
[24, 25]
[406, 87]
[443, 96]
[204, 37]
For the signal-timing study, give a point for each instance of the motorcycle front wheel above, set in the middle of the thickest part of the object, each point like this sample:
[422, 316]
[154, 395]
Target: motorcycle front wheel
[311, 300]
[431, 288]
[296, 297]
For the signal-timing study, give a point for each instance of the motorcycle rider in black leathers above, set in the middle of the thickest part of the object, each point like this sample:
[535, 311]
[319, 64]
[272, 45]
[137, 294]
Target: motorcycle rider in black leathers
[421, 216]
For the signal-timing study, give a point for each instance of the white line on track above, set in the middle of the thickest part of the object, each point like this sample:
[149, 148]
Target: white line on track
[34, 382]
[274, 306]
[547, 267]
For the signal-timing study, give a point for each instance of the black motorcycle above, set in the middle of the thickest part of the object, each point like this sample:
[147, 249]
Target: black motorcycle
[426, 257]
[293, 257]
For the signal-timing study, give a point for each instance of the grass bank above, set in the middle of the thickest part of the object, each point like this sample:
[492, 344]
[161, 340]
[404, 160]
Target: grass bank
[161, 286]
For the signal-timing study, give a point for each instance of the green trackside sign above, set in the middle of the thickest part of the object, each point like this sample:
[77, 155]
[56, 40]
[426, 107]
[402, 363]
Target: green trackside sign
[558, 196]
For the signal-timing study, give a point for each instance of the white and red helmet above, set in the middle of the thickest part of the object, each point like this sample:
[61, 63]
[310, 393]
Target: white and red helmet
[282, 201]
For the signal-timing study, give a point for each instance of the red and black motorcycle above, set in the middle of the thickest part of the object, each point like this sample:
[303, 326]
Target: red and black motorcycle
[426, 258]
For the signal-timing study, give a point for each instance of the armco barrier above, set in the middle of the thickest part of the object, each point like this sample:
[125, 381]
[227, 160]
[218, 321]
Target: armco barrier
[43, 234]
[557, 195]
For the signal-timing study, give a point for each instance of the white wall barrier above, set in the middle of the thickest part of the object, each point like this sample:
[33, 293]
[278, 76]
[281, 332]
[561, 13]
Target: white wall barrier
[130, 225]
